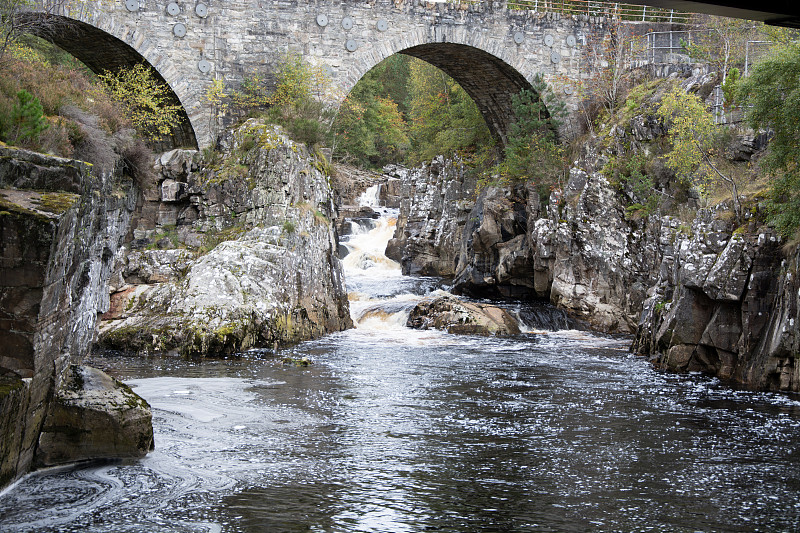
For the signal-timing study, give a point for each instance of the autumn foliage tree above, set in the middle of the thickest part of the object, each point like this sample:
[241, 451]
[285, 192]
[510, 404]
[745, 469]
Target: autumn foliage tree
[370, 129]
[694, 136]
[150, 104]
[444, 119]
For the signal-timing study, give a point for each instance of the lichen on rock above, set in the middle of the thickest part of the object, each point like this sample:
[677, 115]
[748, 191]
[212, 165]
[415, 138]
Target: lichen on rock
[259, 286]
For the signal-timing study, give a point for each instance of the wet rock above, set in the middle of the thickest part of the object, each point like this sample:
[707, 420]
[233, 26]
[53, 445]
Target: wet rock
[495, 258]
[435, 203]
[94, 416]
[61, 226]
[453, 315]
[733, 311]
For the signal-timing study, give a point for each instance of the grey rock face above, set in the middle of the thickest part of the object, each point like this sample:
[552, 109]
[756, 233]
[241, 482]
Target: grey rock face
[61, 227]
[580, 252]
[724, 304]
[435, 200]
[495, 257]
[270, 275]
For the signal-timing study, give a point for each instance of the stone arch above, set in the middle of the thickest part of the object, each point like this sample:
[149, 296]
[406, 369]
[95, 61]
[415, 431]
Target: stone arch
[490, 72]
[102, 44]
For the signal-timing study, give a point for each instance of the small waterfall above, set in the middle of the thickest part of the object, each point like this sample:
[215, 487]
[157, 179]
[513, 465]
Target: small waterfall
[381, 297]
[378, 292]
[371, 197]
[543, 316]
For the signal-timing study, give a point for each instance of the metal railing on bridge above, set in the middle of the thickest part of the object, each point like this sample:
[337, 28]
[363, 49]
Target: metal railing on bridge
[612, 10]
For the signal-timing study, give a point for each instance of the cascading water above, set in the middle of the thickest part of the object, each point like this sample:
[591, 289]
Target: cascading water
[393, 429]
[380, 296]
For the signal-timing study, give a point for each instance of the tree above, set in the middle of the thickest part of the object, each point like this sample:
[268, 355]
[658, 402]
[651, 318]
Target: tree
[532, 152]
[444, 119]
[300, 99]
[606, 62]
[25, 122]
[772, 96]
[693, 133]
[150, 103]
[722, 42]
[370, 129]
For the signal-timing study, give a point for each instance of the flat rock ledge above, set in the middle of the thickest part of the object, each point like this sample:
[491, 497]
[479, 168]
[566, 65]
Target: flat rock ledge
[94, 416]
[450, 314]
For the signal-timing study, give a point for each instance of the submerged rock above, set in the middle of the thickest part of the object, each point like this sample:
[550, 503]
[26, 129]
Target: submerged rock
[453, 315]
[94, 416]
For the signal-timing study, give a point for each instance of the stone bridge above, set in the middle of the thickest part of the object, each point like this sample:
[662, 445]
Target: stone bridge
[492, 51]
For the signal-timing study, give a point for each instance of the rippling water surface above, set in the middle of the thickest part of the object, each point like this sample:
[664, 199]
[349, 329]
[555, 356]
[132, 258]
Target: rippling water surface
[397, 430]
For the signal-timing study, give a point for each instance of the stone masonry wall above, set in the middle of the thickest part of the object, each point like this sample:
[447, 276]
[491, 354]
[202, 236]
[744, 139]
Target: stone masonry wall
[236, 37]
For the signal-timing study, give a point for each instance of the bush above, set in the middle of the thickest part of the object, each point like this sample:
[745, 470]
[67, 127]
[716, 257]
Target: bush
[74, 117]
[150, 103]
[25, 122]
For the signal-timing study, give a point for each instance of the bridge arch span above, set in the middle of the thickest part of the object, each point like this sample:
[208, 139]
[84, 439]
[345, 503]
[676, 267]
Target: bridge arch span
[102, 43]
[490, 80]
[490, 68]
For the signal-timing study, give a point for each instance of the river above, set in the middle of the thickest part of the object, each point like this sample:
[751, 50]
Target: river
[397, 430]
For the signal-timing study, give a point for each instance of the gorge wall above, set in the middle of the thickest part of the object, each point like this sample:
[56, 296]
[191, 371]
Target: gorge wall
[61, 226]
[699, 291]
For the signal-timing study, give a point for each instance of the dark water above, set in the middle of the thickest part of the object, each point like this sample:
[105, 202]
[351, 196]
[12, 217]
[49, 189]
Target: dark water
[395, 430]
[420, 431]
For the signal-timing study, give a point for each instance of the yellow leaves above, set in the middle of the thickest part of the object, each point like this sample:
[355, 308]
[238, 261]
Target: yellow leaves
[296, 82]
[216, 95]
[151, 105]
[691, 128]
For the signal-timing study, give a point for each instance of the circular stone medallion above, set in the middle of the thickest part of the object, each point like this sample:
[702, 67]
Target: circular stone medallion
[322, 20]
[555, 57]
[179, 30]
[571, 40]
[132, 5]
[549, 40]
[347, 23]
[201, 10]
[382, 25]
[173, 8]
[204, 66]
[351, 45]
[519, 37]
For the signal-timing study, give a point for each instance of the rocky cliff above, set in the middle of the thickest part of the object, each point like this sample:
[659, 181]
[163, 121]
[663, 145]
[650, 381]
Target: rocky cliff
[725, 303]
[61, 226]
[231, 252]
[580, 252]
[435, 200]
[699, 291]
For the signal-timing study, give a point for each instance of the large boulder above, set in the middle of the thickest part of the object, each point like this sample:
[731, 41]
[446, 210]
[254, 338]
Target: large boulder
[266, 272]
[453, 315]
[94, 416]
